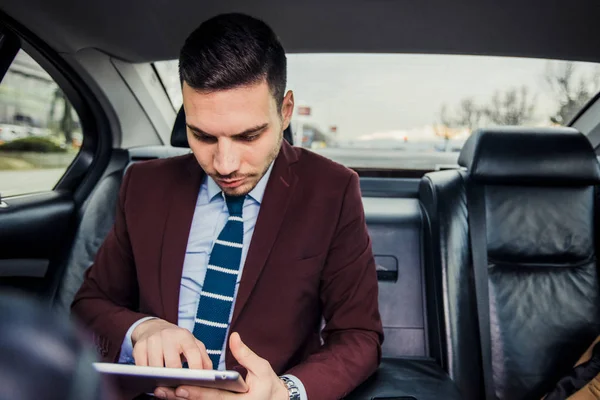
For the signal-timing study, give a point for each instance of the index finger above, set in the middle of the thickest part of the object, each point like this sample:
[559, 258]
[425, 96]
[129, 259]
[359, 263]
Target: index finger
[193, 354]
[205, 357]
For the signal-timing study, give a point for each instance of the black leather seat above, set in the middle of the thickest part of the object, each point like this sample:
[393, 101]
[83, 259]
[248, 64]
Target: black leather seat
[400, 379]
[541, 228]
[96, 219]
[98, 214]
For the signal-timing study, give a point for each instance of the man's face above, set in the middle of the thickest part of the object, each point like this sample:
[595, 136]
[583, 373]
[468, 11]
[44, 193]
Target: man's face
[235, 134]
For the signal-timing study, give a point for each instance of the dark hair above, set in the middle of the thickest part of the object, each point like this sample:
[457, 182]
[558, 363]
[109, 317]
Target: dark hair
[232, 50]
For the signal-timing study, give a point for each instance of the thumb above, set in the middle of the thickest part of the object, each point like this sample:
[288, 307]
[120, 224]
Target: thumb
[246, 357]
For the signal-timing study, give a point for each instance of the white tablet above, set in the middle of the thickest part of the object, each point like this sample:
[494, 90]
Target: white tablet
[146, 379]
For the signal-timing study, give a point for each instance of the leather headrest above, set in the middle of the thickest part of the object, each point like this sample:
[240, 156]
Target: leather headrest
[515, 155]
[179, 133]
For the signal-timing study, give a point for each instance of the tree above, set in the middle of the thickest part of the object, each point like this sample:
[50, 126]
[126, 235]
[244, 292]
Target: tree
[468, 115]
[572, 92]
[67, 123]
[445, 126]
[513, 107]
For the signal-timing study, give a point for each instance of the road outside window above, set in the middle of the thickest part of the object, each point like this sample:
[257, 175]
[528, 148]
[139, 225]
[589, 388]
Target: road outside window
[40, 132]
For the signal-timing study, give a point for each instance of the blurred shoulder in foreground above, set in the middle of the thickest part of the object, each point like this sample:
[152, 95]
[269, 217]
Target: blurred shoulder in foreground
[43, 355]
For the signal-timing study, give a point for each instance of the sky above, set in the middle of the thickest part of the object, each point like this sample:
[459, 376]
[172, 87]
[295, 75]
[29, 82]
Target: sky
[365, 94]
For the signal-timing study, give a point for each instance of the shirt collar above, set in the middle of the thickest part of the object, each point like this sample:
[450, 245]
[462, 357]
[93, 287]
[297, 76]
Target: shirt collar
[257, 193]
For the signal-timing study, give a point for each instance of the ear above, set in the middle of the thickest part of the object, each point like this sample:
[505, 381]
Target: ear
[287, 109]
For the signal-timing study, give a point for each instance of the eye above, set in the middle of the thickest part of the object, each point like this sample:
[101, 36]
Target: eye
[204, 138]
[250, 138]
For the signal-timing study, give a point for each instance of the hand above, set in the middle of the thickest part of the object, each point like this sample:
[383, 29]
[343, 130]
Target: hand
[263, 383]
[158, 343]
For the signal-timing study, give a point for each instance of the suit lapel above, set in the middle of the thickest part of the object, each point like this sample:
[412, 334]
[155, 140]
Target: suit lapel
[180, 212]
[272, 211]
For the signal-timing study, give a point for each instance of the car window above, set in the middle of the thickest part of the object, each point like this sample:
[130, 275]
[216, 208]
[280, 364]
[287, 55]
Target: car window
[40, 133]
[415, 111]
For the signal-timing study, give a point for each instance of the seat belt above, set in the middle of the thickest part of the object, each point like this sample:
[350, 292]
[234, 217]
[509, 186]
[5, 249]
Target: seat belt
[479, 258]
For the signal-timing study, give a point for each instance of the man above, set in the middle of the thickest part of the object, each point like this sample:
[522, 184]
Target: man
[230, 258]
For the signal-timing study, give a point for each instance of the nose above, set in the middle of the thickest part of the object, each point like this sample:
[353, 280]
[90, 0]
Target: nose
[227, 160]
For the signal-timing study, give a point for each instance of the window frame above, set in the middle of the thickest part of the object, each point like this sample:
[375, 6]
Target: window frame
[88, 165]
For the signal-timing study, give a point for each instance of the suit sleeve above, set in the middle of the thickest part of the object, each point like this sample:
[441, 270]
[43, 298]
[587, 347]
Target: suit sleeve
[105, 302]
[353, 332]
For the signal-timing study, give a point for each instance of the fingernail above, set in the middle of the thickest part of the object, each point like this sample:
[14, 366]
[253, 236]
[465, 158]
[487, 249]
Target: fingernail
[182, 393]
[161, 394]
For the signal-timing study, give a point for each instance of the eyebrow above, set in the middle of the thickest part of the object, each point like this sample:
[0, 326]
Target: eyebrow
[244, 133]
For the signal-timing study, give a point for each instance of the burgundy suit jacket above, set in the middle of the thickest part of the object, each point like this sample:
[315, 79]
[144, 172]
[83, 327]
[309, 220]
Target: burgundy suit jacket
[310, 257]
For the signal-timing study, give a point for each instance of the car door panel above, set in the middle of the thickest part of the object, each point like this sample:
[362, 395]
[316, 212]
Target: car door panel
[34, 231]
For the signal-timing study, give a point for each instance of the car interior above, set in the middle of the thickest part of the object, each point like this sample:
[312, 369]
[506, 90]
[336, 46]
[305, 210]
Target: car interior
[487, 266]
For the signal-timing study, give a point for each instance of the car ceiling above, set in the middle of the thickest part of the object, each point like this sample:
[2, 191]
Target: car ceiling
[149, 30]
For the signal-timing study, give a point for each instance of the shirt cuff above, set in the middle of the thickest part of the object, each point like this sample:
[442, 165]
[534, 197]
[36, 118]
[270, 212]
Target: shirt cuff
[126, 356]
[299, 385]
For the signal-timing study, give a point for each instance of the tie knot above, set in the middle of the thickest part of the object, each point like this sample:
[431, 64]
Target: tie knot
[235, 204]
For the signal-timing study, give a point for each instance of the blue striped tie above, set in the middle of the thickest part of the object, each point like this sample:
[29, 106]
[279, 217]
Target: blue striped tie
[216, 298]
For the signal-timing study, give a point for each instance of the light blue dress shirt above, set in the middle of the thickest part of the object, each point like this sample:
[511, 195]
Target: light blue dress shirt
[210, 216]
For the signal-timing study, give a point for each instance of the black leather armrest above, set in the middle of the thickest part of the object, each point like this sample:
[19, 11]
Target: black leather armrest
[421, 379]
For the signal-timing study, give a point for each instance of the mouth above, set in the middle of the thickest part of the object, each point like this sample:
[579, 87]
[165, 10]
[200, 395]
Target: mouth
[230, 183]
